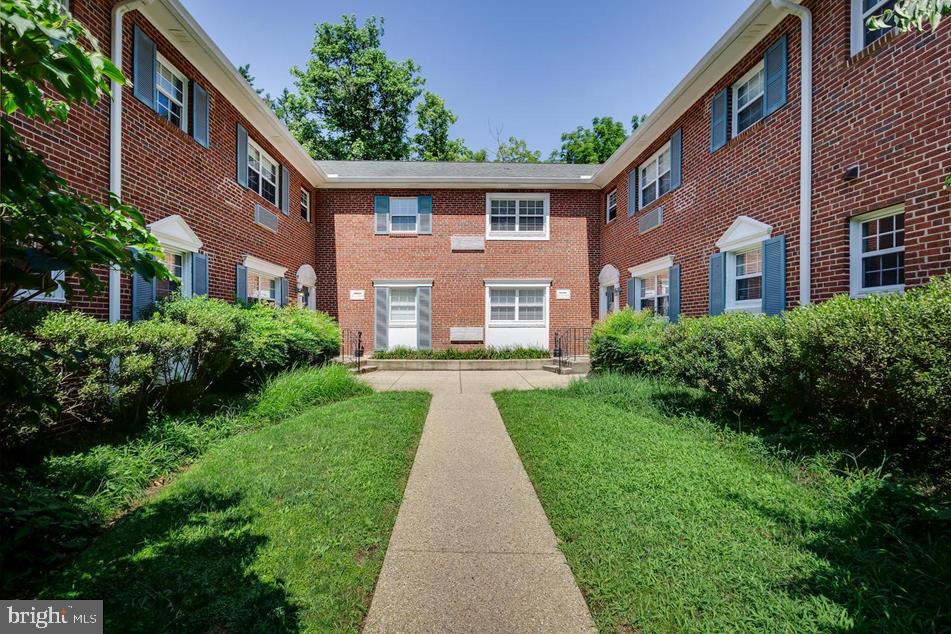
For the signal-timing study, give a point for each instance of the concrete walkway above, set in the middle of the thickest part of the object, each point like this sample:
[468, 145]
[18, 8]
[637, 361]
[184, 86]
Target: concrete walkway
[472, 549]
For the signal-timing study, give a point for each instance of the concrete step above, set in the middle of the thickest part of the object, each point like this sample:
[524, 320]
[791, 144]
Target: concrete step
[363, 369]
[568, 367]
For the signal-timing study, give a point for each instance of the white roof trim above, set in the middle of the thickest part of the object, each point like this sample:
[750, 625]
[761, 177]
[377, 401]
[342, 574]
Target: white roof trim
[402, 283]
[507, 281]
[462, 182]
[653, 267]
[306, 275]
[173, 232]
[263, 266]
[744, 232]
[609, 275]
[181, 29]
[759, 19]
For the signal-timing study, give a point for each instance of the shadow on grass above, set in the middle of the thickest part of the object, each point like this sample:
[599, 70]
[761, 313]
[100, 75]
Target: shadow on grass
[181, 564]
[887, 561]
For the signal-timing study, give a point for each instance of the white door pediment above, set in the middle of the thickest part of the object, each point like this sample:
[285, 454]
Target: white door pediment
[744, 232]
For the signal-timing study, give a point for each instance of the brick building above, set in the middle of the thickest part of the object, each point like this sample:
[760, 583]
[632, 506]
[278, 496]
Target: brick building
[754, 186]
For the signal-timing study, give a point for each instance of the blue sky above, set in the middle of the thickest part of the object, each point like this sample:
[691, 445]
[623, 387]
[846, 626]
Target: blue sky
[532, 68]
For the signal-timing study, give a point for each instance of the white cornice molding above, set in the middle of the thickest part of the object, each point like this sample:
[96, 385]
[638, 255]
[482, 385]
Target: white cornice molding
[509, 281]
[653, 267]
[173, 232]
[744, 232]
[396, 283]
[263, 266]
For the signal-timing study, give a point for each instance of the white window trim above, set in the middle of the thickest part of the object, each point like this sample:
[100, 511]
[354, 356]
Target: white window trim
[858, 24]
[855, 253]
[403, 323]
[263, 267]
[656, 182]
[178, 75]
[185, 289]
[516, 284]
[748, 305]
[653, 267]
[608, 206]
[261, 179]
[305, 202]
[402, 283]
[58, 296]
[390, 215]
[734, 91]
[516, 234]
[639, 287]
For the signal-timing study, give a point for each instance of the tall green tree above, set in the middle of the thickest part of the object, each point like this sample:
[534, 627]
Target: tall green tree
[432, 142]
[48, 61]
[351, 100]
[594, 144]
[515, 150]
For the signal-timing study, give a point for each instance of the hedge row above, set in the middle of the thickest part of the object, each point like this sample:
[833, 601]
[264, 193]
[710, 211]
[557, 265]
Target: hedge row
[871, 373]
[67, 366]
[453, 354]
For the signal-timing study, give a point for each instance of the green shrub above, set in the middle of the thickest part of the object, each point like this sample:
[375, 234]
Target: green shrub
[290, 392]
[454, 354]
[627, 341]
[313, 338]
[217, 326]
[741, 358]
[26, 383]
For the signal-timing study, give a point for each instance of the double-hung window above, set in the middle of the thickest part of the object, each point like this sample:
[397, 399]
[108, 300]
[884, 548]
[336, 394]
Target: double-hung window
[305, 204]
[261, 287]
[744, 277]
[611, 212]
[654, 293]
[862, 10]
[262, 173]
[402, 306]
[517, 305]
[748, 99]
[517, 216]
[179, 264]
[171, 93]
[877, 246]
[655, 176]
[404, 215]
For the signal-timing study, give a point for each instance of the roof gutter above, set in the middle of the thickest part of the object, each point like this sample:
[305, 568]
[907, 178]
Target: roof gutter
[585, 182]
[115, 139]
[805, 150]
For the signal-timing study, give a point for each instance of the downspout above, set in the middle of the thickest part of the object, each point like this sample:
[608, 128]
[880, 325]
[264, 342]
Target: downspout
[805, 150]
[115, 139]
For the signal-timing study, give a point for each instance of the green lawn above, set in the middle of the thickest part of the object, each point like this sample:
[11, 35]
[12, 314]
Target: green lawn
[282, 529]
[672, 524]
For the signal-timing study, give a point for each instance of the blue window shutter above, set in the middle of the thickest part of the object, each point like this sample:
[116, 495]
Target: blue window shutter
[424, 207]
[673, 299]
[242, 155]
[381, 211]
[676, 158]
[241, 284]
[285, 190]
[381, 327]
[774, 275]
[774, 61]
[282, 292]
[424, 318]
[143, 295]
[718, 120]
[143, 67]
[199, 118]
[199, 274]
[632, 192]
[632, 293]
[717, 283]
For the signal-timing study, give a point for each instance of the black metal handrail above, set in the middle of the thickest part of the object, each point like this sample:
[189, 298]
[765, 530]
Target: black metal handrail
[352, 346]
[571, 343]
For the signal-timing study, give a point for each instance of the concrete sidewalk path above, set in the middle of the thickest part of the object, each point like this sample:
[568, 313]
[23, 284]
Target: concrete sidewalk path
[472, 549]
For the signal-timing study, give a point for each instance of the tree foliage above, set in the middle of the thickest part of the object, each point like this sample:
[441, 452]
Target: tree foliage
[50, 61]
[595, 144]
[912, 15]
[515, 150]
[352, 101]
[432, 142]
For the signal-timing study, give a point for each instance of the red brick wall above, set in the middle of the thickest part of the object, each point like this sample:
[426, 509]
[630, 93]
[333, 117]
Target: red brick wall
[166, 172]
[350, 256]
[885, 110]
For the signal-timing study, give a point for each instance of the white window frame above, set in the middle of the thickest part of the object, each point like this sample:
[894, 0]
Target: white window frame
[735, 90]
[263, 277]
[517, 234]
[415, 214]
[641, 288]
[748, 305]
[162, 61]
[57, 296]
[859, 17]
[262, 155]
[415, 303]
[185, 286]
[856, 256]
[263, 270]
[610, 203]
[305, 203]
[641, 185]
[517, 286]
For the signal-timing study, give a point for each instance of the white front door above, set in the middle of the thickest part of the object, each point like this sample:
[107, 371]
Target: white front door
[609, 300]
[402, 321]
